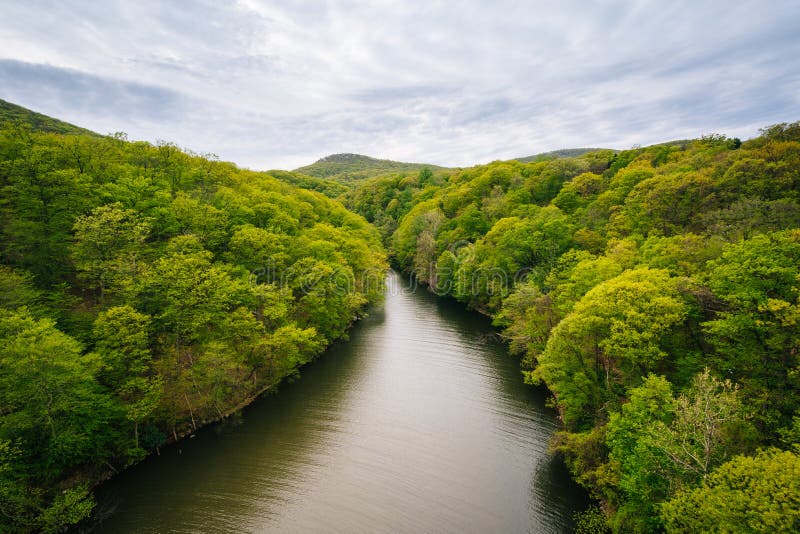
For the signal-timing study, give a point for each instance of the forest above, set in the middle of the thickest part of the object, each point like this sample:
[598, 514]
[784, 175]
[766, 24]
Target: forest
[146, 291]
[656, 293]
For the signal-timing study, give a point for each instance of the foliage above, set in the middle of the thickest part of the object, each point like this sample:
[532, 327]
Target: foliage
[614, 335]
[36, 121]
[758, 493]
[145, 290]
[653, 290]
[344, 168]
[591, 521]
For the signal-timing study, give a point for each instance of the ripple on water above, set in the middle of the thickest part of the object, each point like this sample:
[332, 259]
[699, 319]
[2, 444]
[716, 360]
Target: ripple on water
[420, 423]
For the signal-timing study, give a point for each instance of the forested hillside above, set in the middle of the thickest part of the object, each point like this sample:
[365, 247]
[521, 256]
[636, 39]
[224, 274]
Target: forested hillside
[13, 113]
[656, 293]
[349, 168]
[556, 154]
[145, 291]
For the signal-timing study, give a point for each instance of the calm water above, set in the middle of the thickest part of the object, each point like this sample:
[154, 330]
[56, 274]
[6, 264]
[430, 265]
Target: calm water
[420, 423]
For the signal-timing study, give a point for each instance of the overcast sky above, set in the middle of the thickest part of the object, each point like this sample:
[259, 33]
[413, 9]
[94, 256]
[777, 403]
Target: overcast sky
[280, 84]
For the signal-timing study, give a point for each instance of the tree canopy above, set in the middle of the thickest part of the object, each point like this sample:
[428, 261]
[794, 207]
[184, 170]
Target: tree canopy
[651, 288]
[145, 290]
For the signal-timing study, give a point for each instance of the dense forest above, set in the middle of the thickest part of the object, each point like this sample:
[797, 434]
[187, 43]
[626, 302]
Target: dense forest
[351, 168]
[656, 293]
[145, 291]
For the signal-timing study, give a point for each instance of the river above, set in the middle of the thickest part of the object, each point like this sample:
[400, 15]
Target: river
[419, 423]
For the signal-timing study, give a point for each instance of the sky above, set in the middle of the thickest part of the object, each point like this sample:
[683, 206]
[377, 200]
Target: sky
[272, 85]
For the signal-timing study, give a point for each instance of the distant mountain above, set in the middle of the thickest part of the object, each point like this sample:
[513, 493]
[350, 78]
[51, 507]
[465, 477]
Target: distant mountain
[563, 153]
[42, 123]
[354, 167]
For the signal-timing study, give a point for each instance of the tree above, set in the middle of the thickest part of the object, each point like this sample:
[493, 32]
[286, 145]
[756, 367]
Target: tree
[39, 206]
[55, 418]
[425, 176]
[122, 343]
[659, 445]
[107, 246]
[640, 465]
[706, 417]
[613, 336]
[186, 294]
[17, 290]
[755, 331]
[260, 251]
[758, 493]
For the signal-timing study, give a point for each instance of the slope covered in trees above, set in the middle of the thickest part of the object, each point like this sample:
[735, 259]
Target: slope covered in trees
[144, 291]
[556, 154]
[656, 292]
[13, 113]
[349, 168]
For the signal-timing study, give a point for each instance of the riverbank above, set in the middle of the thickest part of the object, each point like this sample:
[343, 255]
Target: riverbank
[190, 427]
[418, 423]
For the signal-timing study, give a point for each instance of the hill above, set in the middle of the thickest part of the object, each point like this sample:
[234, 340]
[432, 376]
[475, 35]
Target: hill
[140, 300]
[355, 167]
[560, 154]
[654, 291]
[41, 123]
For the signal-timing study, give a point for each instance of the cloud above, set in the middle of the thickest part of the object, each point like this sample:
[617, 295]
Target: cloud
[280, 84]
[82, 93]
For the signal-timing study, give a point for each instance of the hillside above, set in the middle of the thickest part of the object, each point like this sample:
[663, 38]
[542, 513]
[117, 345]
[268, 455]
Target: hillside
[654, 291]
[40, 123]
[144, 292]
[562, 153]
[354, 167]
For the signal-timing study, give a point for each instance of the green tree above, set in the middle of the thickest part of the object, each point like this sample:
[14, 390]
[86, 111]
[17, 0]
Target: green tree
[755, 332]
[107, 246]
[122, 343]
[758, 493]
[613, 336]
[707, 419]
[639, 463]
[55, 415]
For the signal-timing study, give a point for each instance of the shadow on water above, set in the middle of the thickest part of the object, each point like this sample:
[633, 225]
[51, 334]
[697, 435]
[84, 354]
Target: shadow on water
[420, 422]
[275, 431]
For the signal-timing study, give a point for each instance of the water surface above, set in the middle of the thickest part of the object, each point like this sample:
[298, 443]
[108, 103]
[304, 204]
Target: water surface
[419, 423]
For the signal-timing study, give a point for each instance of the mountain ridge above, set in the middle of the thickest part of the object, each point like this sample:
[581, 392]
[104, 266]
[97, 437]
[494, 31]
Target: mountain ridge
[351, 167]
[10, 112]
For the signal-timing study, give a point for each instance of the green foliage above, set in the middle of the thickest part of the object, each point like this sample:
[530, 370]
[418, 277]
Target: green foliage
[70, 507]
[327, 187]
[614, 335]
[17, 290]
[758, 493]
[11, 113]
[106, 247]
[658, 444]
[640, 464]
[679, 259]
[591, 521]
[563, 153]
[758, 283]
[346, 168]
[145, 290]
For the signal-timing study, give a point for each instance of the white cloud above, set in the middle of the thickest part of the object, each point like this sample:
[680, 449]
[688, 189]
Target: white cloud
[279, 84]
